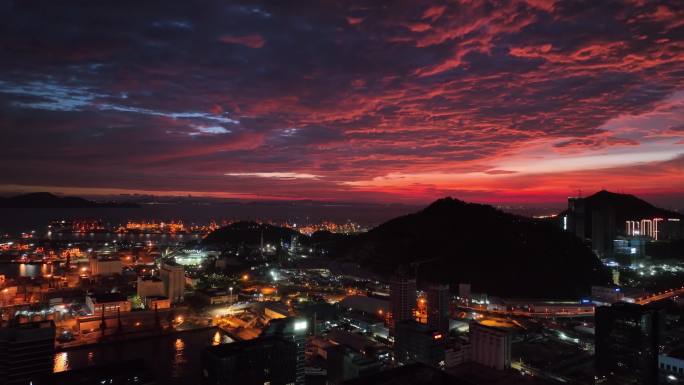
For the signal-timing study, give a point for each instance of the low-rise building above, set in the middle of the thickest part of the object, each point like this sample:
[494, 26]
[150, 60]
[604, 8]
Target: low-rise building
[318, 346]
[157, 302]
[213, 296]
[606, 294]
[345, 364]
[105, 265]
[369, 305]
[490, 346]
[110, 302]
[356, 342]
[671, 367]
[173, 276]
[456, 355]
[150, 287]
[275, 309]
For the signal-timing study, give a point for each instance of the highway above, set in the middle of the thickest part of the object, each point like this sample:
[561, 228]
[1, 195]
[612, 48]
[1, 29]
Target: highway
[565, 312]
[660, 296]
[571, 311]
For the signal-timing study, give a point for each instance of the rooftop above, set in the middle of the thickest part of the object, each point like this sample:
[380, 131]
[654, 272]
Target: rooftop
[149, 278]
[677, 353]
[413, 374]
[107, 297]
[476, 374]
[227, 350]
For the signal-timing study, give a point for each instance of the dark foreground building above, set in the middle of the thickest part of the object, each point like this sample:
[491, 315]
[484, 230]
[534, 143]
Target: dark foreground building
[276, 357]
[413, 374]
[627, 339]
[26, 352]
[344, 364]
[416, 342]
[468, 374]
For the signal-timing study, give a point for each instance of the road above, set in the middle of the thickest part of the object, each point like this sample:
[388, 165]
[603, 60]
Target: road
[570, 311]
[660, 296]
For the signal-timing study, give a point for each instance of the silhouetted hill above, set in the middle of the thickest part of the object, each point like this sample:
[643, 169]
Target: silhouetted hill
[499, 253]
[48, 200]
[625, 206]
[250, 233]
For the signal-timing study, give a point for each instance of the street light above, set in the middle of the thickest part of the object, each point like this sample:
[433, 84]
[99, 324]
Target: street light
[231, 294]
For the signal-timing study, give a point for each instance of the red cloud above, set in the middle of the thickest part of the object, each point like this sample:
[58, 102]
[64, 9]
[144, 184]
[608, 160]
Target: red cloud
[424, 100]
[434, 12]
[251, 41]
[354, 20]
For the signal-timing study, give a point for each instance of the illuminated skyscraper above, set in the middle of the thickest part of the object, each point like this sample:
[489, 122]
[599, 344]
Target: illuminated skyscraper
[575, 221]
[402, 299]
[603, 230]
[438, 308]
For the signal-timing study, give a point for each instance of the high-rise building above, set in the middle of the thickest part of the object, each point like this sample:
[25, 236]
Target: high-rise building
[438, 308]
[490, 346]
[603, 230]
[575, 220]
[26, 352]
[416, 342]
[173, 277]
[464, 291]
[293, 331]
[402, 299]
[253, 362]
[276, 357]
[670, 229]
[627, 340]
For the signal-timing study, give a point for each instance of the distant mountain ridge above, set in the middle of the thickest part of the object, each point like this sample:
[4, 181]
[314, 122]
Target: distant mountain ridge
[498, 253]
[48, 200]
[245, 232]
[627, 206]
[624, 207]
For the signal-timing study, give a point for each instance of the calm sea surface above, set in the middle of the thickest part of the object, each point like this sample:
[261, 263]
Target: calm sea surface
[14, 221]
[13, 270]
[174, 359]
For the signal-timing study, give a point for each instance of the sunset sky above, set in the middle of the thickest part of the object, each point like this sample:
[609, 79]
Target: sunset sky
[392, 101]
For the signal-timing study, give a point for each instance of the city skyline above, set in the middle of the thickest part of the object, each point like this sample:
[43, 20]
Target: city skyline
[514, 102]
